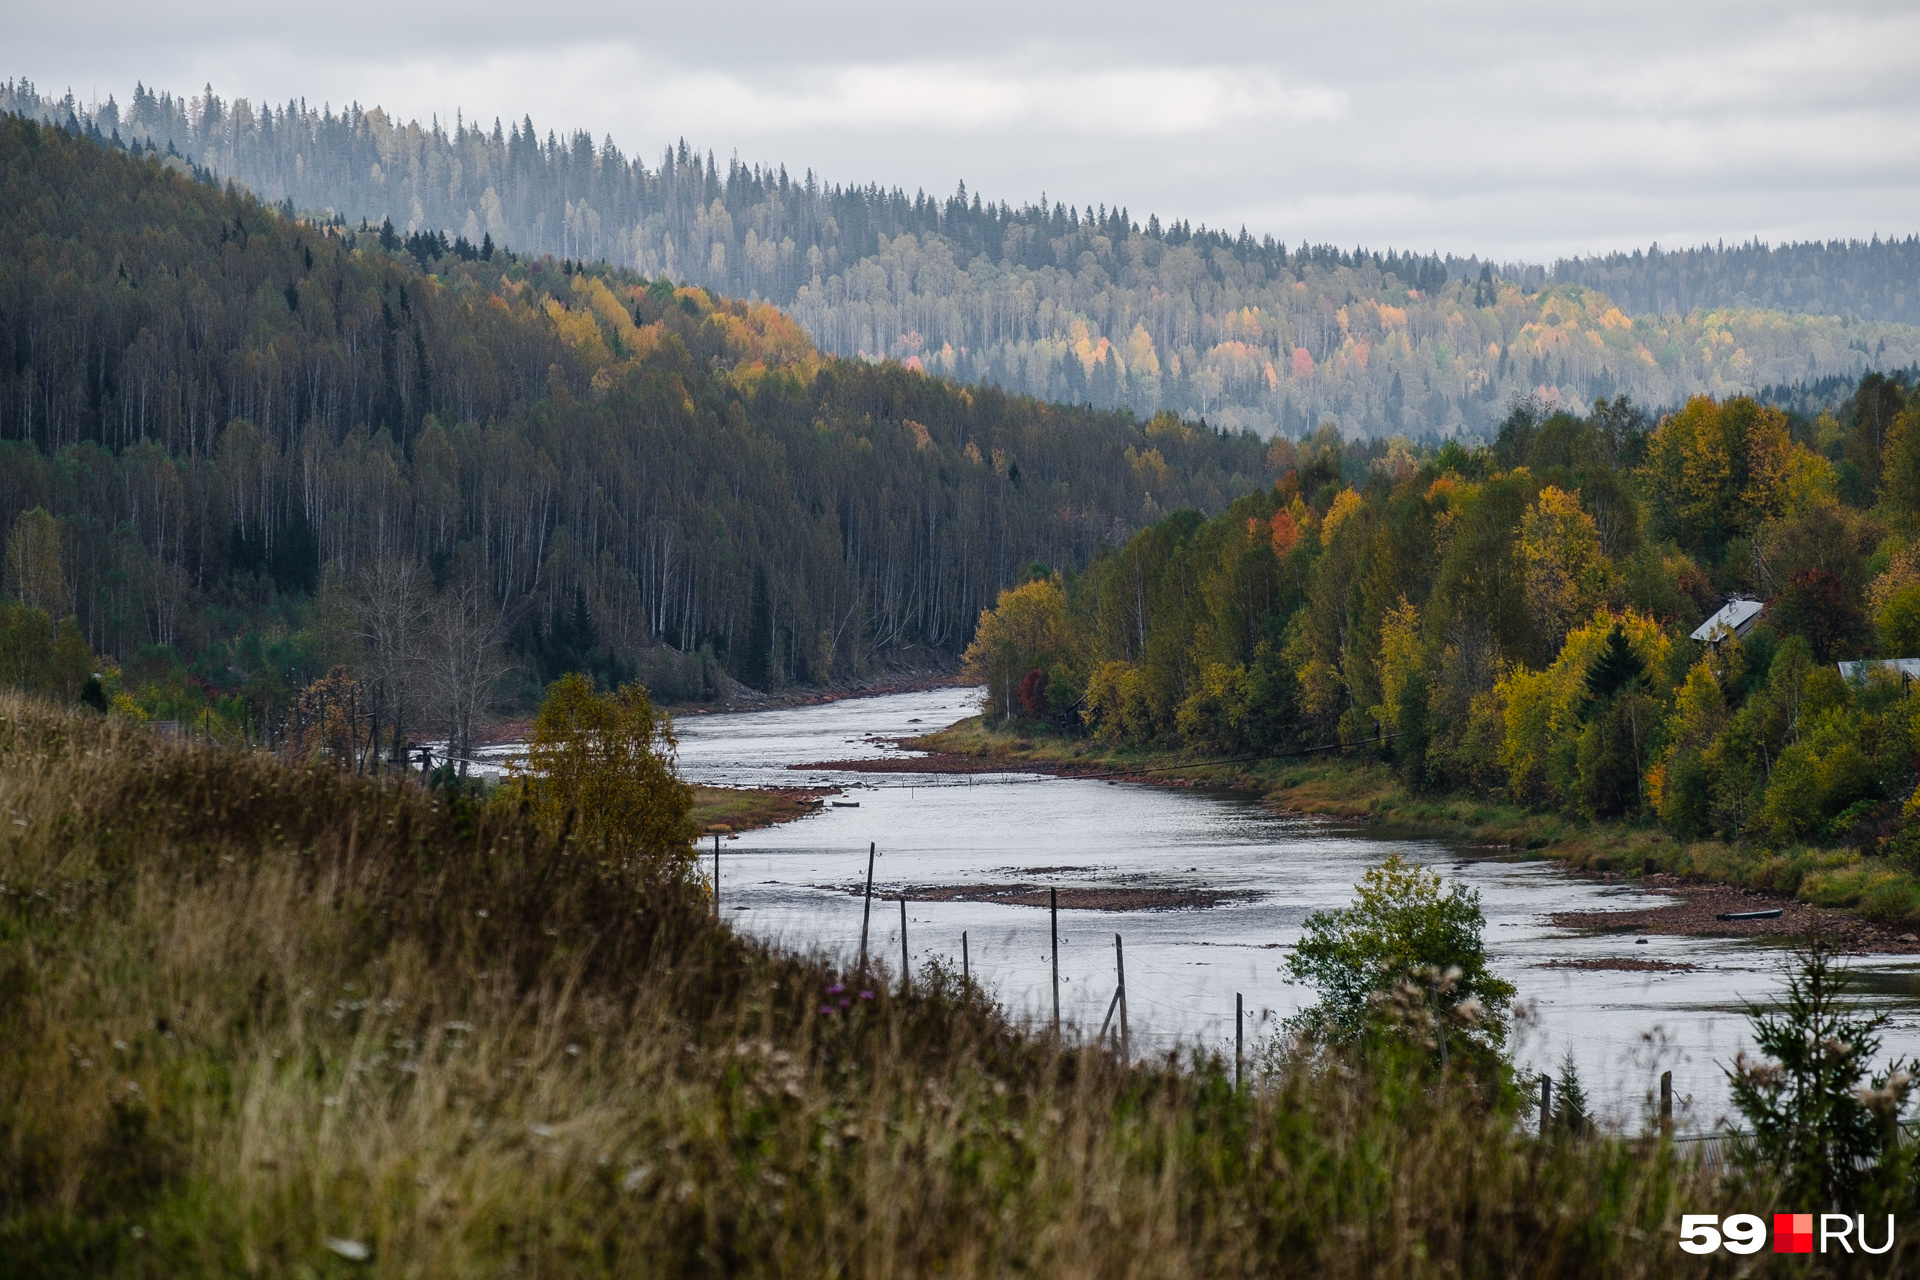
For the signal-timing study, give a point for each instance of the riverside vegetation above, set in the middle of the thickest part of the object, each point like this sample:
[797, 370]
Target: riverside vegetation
[1503, 634]
[266, 1016]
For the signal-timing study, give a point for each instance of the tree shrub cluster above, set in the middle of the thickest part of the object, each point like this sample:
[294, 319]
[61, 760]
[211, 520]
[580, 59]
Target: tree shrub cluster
[1514, 620]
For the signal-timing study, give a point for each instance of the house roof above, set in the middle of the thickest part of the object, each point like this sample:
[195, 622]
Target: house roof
[1734, 616]
[1851, 671]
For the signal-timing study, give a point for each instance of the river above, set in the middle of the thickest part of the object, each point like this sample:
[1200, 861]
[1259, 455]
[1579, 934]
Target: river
[795, 884]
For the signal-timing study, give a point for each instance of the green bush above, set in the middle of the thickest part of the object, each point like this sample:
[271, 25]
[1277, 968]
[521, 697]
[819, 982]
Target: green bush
[1686, 805]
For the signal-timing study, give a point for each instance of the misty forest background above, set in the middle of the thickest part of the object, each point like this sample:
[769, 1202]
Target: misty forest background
[290, 392]
[236, 453]
[1082, 305]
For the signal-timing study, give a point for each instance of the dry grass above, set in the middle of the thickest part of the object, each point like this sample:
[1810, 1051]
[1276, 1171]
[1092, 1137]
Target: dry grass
[725, 809]
[247, 1010]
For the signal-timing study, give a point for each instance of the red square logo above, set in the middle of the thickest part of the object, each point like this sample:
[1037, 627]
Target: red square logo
[1793, 1233]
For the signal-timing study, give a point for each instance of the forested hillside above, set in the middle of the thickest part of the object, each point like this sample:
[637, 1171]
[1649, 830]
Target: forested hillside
[1871, 280]
[244, 432]
[1083, 305]
[1514, 622]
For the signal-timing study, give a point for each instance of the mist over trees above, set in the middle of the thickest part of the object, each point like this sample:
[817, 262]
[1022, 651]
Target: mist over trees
[1081, 305]
[1870, 280]
[259, 449]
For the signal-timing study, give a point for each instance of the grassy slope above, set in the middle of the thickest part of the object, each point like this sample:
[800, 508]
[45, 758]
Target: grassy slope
[1347, 788]
[247, 1009]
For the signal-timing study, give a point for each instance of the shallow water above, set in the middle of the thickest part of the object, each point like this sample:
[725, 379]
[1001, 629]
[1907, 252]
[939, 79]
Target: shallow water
[798, 884]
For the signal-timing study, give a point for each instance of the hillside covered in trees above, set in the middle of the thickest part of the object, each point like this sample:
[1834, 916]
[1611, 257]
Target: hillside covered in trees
[1871, 280]
[1514, 621]
[237, 451]
[1081, 305]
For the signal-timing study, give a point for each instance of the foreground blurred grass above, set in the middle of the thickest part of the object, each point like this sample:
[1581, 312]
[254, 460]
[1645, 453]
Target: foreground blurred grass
[266, 1020]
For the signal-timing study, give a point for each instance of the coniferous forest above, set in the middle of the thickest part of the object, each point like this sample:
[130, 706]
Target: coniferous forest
[1092, 305]
[258, 446]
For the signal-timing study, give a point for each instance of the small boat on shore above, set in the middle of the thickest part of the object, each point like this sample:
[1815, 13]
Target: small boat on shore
[1772, 914]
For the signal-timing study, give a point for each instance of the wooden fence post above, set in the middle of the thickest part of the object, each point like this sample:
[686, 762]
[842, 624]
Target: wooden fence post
[1546, 1103]
[1239, 1041]
[716, 875]
[966, 969]
[1120, 964]
[1666, 1103]
[1053, 896]
[906, 965]
[866, 913]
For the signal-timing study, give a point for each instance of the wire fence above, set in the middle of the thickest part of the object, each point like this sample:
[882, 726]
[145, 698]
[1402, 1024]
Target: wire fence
[1716, 1151]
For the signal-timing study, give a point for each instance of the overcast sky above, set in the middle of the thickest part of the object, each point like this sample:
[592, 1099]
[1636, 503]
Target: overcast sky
[1509, 129]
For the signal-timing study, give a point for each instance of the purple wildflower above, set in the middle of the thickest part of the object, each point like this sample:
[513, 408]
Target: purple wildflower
[836, 988]
[866, 995]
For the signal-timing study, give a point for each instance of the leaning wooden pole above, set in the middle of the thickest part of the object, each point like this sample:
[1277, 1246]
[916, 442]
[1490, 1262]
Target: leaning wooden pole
[1120, 963]
[866, 913]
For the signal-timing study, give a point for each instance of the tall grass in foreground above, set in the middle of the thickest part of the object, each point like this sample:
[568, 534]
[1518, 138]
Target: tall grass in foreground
[257, 1019]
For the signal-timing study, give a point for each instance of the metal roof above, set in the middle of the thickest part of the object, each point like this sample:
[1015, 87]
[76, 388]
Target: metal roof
[1735, 616]
[1851, 671]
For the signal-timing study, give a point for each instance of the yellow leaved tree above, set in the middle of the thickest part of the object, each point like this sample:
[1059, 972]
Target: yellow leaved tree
[602, 766]
[1546, 711]
[1568, 575]
[1718, 470]
[1027, 630]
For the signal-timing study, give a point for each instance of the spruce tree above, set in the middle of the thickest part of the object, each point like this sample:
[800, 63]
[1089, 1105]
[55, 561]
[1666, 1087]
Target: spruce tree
[1616, 670]
[1570, 1099]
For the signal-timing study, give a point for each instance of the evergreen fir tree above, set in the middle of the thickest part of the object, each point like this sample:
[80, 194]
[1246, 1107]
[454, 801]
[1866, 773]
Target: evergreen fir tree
[1617, 669]
[1570, 1099]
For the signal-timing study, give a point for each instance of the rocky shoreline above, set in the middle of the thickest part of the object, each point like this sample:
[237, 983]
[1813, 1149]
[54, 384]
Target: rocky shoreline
[1700, 904]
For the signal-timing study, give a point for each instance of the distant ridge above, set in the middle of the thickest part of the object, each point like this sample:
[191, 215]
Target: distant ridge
[1082, 305]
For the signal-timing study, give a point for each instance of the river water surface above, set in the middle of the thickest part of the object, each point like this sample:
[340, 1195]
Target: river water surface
[795, 884]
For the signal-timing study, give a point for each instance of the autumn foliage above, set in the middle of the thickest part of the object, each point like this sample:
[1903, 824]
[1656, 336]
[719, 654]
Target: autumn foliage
[600, 767]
